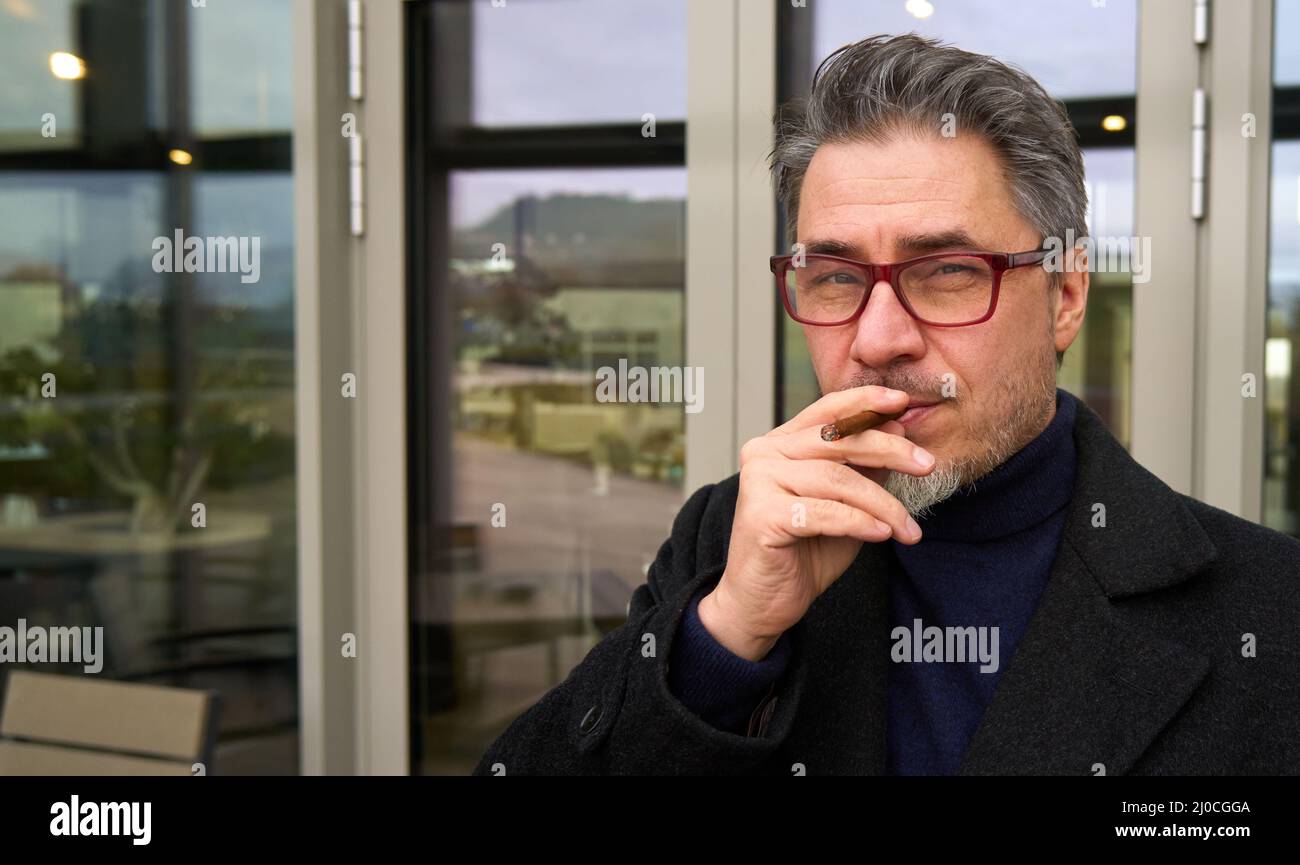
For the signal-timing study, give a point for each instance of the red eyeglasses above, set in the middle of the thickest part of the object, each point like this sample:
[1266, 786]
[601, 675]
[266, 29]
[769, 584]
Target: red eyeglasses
[948, 289]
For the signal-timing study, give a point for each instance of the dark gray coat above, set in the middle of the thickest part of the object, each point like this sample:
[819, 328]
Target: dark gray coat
[1133, 660]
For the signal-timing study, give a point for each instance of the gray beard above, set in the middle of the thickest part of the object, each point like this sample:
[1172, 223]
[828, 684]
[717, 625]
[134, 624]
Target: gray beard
[920, 494]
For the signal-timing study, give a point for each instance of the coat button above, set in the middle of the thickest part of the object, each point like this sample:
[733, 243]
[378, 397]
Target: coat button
[590, 720]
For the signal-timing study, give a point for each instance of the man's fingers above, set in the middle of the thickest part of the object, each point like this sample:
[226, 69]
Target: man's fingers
[811, 517]
[822, 479]
[841, 404]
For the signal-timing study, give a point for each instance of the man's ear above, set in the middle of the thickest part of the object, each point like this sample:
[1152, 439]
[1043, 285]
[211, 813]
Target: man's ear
[1072, 301]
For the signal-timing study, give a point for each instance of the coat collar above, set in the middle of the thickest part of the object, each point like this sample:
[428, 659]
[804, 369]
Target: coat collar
[1150, 539]
[1088, 685]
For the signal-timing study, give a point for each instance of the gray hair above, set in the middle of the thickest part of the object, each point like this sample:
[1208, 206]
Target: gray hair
[876, 88]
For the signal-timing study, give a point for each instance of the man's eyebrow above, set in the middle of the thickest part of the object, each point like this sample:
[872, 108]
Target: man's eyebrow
[923, 244]
[832, 247]
[909, 245]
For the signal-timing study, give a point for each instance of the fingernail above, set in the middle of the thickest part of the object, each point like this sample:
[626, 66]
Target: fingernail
[923, 457]
[913, 529]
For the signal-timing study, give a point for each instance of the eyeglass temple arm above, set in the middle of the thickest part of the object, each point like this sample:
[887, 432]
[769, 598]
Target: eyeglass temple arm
[1019, 259]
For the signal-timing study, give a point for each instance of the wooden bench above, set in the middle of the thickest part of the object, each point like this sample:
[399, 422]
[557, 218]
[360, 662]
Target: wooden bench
[73, 725]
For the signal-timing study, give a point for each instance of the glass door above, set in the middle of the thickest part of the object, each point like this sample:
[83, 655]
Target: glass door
[550, 193]
[147, 356]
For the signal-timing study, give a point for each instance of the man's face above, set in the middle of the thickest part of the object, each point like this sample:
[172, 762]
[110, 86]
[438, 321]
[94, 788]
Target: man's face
[992, 384]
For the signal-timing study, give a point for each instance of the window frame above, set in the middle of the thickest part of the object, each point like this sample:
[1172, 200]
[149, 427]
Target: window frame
[433, 155]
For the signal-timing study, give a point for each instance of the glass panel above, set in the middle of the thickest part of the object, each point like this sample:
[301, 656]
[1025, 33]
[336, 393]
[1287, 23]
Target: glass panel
[147, 420]
[1286, 52]
[1098, 366]
[1281, 504]
[241, 67]
[31, 32]
[549, 62]
[558, 499]
[1100, 59]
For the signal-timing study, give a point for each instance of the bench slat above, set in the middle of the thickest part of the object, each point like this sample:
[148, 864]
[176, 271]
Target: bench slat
[120, 716]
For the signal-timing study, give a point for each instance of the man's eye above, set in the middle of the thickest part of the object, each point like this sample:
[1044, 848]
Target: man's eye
[842, 277]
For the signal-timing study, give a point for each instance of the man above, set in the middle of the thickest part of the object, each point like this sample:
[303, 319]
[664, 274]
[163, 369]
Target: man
[988, 583]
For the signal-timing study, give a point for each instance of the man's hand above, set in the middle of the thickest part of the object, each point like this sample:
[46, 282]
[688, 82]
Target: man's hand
[804, 509]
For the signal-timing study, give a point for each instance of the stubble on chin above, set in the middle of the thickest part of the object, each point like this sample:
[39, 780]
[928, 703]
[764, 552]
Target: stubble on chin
[1022, 413]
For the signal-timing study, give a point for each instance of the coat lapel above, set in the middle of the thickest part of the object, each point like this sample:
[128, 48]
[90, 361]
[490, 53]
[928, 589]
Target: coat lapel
[1088, 685]
[845, 634]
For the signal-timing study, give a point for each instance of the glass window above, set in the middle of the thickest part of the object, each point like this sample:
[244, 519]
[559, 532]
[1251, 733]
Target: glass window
[241, 68]
[557, 62]
[558, 500]
[37, 37]
[1098, 366]
[1098, 58]
[1096, 65]
[147, 422]
[552, 259]
[1281, 492]
[1286, 56]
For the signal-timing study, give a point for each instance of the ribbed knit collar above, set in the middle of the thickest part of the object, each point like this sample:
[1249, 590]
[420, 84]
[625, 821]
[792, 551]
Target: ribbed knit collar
[1023, 492]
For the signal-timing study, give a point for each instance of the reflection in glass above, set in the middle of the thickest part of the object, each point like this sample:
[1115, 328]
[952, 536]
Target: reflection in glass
[241, 68]
[1281, 400]
[1286, 48]
[1098, 365]
[1097, 59]
[549, 62]
[1281, 390]
[147, 420]
[102, 474]
[30, 32]
[558, 501]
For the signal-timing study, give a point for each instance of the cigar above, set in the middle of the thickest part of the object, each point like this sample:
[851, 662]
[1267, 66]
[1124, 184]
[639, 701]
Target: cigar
[857, 423]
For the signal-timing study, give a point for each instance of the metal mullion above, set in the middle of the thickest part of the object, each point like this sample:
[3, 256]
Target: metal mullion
[1232, 289]
[1164, 308]
[254, 153]
[564, 147]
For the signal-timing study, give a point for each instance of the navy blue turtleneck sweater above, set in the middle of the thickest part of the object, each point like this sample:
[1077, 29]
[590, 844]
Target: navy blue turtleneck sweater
[984, 558]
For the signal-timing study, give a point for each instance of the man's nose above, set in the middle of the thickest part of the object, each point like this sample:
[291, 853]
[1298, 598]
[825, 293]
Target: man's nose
[886, 332]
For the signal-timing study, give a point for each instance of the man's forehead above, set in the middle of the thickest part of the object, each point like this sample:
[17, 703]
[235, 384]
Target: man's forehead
[917, 194]
[900, 169]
